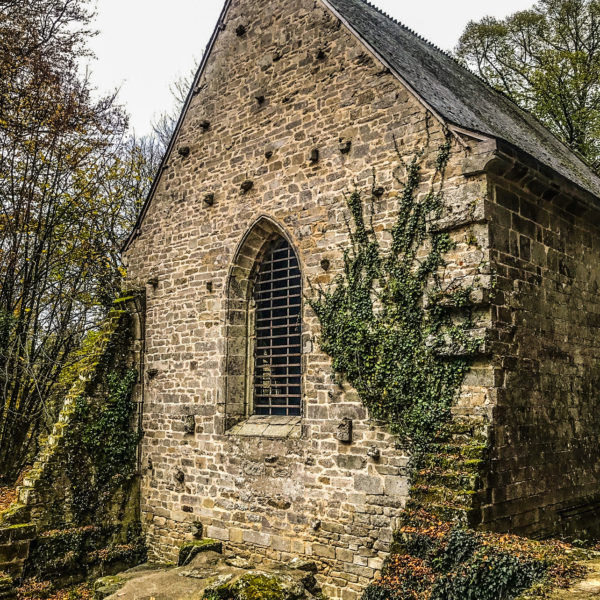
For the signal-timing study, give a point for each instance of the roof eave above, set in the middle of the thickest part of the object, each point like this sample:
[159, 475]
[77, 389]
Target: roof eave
[508, 152]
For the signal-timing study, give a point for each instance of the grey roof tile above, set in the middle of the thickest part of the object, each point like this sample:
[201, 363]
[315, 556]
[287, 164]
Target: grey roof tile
[459, 96]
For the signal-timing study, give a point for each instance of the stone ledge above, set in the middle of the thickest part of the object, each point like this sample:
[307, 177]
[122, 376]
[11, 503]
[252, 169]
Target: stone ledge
[268, 426]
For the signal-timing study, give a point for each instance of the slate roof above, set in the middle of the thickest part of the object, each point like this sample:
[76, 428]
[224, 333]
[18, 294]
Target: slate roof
[457, 95]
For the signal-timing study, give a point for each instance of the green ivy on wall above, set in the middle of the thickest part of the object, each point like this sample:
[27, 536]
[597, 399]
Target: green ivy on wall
[395, 328]
[101, 446]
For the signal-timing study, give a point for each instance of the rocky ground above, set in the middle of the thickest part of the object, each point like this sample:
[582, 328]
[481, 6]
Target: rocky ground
[211, 575]
[222, 577]
[586, 589]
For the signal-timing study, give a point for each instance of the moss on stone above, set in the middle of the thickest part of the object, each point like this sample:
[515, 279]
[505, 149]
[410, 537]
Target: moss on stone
[13, 514]
[107, 586]
[190, 549]
[251, 586]
[20, 526]
[258, 587]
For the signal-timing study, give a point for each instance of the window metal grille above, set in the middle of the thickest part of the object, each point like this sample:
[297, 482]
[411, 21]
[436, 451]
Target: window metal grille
[278, 349]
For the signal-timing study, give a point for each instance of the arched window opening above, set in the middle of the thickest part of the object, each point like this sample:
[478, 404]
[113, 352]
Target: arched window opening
[277, 339]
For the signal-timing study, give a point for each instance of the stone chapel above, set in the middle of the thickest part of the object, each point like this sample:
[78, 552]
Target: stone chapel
[246, 432]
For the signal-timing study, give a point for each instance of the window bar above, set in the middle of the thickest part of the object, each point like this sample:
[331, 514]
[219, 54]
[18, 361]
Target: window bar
[277, 360]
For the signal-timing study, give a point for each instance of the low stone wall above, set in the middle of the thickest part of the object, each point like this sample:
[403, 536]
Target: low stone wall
[15, 542]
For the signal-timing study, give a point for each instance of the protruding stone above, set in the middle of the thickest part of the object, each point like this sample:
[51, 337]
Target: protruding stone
[344, 431]
[191, 549]
[345, 146]
[190, 424]
[374, 453]
[279, 503]
[197, 529]
[301, 564]
[247, 186]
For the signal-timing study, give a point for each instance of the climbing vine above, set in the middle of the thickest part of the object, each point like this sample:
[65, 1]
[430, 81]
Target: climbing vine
[396, 329]
[436, 560]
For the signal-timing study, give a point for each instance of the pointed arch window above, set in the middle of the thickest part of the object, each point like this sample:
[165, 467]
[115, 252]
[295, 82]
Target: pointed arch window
[277, 353]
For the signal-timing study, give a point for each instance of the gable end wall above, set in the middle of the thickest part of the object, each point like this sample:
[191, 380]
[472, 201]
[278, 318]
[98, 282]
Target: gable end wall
[266, 497]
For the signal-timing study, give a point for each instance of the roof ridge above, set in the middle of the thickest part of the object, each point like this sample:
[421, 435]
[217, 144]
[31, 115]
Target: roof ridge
[448, 54]
[417, 35]
[463, 66]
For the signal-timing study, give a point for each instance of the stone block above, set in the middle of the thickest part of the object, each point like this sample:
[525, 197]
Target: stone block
[343, 432]
[281, 544]
[395, 486]
[13, 551]
[344, 555]
[25, 531]
[257, 538]
[236, 535]
[368, 484]
[191, 549]
[324, 551]
[217, 533]
[351, 461]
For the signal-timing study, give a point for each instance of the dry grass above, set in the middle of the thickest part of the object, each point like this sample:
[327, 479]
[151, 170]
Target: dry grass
[7, 496]
[44, 590]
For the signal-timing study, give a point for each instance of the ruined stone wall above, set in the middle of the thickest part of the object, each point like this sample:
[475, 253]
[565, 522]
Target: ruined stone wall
[291, 81]
[545, 465]
[64, 526]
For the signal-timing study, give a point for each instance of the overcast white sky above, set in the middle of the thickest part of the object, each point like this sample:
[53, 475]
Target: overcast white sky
[144, 45]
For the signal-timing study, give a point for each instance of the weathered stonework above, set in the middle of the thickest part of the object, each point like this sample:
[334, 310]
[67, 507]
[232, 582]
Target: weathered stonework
[543, 476]
[266, 487]
[290, 112]
[42, 535]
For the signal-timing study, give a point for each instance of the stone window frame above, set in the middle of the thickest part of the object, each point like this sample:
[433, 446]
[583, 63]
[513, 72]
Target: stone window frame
[239, 363]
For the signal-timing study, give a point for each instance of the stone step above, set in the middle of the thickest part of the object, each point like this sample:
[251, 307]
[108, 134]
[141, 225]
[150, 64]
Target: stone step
[456, 480]
[457, 515]
[18, 533]
[434, 495]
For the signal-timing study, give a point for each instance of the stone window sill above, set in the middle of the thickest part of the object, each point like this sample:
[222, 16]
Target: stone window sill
[268, 426]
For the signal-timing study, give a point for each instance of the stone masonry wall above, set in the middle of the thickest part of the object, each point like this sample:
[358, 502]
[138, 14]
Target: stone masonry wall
[292, 81]
[545, 468]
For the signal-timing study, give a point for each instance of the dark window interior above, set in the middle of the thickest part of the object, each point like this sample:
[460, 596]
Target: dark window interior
[277, 351]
